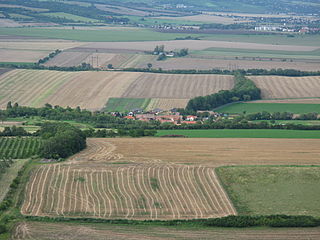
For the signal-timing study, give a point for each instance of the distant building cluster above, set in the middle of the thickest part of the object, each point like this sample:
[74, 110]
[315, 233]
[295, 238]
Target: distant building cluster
[287, 29]
[171, 116]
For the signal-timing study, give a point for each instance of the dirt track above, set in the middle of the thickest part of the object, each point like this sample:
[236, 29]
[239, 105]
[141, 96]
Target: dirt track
[69, 231]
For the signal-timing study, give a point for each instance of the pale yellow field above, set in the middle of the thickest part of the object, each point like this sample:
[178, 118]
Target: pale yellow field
[205, 18]
[179, 86]
[288, 87]
[166, 103]
[91, 90]
[22, 55]
[205, 64]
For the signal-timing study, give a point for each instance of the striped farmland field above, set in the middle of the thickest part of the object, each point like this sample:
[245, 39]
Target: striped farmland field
[288, 87]
[133, 191]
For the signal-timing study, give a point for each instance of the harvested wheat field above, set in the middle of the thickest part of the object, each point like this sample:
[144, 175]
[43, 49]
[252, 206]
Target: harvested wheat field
[91, 90]
[71, 58]
[131, 191]
[21, 55]
[81, 231]
[228, 64]
[210, 152]
[180, 86]
[288, 87]
[166, 103]
[23, 43]
[30, 50]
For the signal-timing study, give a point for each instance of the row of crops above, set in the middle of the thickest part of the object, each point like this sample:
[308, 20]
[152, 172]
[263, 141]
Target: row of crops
[19, 147]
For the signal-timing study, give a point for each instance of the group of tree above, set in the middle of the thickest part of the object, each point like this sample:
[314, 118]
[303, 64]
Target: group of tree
[60, 140]
[275, 72]
[14, 131]
[104, 133]
[281, 116]
[244, 90]
[51, 55]
[123, 126]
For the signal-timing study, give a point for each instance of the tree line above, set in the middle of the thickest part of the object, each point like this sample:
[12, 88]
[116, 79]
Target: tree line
[228, 221]
[50, 56]
[244, 90]
[281, 116]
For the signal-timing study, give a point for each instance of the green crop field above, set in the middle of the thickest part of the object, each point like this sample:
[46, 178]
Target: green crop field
[273, 190]
[138, 34]
[297, 108]
[126, 104]
[19, 147]
[242, 133]
[70, 16]
[104, 35]
[255, 53]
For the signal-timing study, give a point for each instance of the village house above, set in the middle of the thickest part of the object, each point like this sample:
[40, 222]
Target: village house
[191, 118]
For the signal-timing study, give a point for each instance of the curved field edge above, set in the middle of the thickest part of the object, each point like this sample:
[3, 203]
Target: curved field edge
[277, 189]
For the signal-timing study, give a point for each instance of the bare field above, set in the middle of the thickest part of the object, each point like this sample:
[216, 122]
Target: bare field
[121, 10]
[180, 86]
[9, 23]
[68, 59]
[166, 103]
[288, 87]
[205, 18]
[37, 44]
[194, 45]
[118, 60]
[30, 50]
[126, 191]
[66, 231]
[22, 55]
[205, 64]
[209, 152]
